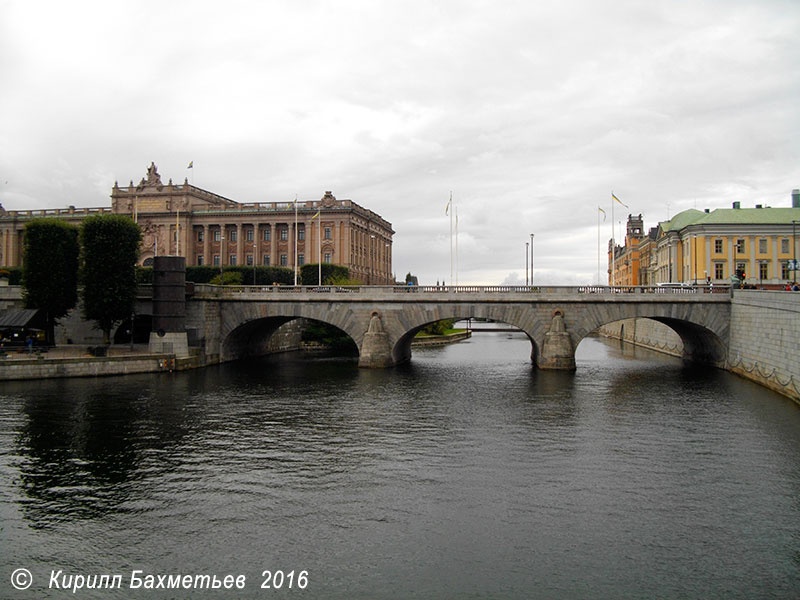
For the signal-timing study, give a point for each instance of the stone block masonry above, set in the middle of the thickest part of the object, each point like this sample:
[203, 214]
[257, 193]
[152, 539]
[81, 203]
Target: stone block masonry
[765, 339]
[645, 333]
[50, 368]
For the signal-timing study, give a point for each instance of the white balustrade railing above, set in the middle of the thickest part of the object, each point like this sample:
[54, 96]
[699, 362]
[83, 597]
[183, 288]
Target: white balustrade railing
[447, 291]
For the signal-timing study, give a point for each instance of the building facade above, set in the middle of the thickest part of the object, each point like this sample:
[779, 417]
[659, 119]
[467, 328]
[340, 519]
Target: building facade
[208, 229]
[711, 246]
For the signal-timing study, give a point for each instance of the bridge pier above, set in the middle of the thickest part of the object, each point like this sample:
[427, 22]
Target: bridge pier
[557, 351]
[376, 349]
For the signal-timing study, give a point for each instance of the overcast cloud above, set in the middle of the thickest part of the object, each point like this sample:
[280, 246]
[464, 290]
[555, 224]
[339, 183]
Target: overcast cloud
[531, 113]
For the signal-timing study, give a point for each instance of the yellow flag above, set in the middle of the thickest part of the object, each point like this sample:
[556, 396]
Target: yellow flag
[316, 215]
[618, 200]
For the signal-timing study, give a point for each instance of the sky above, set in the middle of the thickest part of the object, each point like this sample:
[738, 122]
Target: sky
[529, 113]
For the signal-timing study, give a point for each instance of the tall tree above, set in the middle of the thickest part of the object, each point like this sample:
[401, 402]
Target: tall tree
[109, 247]
[50, 269]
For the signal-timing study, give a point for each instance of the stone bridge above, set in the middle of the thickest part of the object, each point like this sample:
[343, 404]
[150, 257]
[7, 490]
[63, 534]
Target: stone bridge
[233, 322]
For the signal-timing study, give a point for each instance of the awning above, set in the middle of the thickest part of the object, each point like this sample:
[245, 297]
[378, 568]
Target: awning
[18, 319]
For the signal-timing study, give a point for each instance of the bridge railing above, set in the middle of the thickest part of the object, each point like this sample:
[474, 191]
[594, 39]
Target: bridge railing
[391, 290]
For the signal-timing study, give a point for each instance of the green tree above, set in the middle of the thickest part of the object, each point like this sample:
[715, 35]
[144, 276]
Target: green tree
[309, 273]
[439, 327]
[227, 278]
[109, 249]
[50, 269]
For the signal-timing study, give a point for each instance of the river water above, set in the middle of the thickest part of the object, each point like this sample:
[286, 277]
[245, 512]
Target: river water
[464, 474]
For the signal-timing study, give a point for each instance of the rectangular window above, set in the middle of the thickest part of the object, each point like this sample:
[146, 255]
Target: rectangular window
[284, 260]
[201, 236]
[719, 271]
[301, 233]
[200, 260]
[718, 246]
[301, 259]
[326, 257]
[250, 235]
[284, 234]
[762, 246]
[740, 246]
[785, 270]
[232, 235]
[327, 233]
[266, 260]
[217, 235]
[785, 246]
[266, 235]
[249, 260]
[232, 260]
[216, 260]
[763, 270]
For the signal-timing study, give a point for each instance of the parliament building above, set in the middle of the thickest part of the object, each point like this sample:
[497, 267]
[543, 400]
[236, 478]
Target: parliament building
[208, 229]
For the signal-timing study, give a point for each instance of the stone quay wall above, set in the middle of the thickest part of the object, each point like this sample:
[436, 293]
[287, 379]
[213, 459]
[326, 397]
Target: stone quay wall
[765, 339]
[50, 368]
[646, 333]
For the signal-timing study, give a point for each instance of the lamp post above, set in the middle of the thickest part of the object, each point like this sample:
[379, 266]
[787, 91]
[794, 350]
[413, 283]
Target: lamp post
[221, 252]
[371, 259]
[387, 264]
[794, 251]
[531, 259]
[526, 262]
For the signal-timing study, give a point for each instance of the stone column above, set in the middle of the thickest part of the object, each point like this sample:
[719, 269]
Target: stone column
[273, 244]
[239, 244]
[206, 245]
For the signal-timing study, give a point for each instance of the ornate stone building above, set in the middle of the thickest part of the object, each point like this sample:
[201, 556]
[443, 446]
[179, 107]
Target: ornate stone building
[208, 229]
[711, 246]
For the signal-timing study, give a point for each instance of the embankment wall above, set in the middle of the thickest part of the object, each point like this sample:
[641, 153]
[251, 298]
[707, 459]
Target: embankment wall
[765, 339]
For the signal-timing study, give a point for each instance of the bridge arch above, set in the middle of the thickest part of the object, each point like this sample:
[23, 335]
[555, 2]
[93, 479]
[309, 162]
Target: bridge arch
[418, 319]
[247, 329]
[703, 329]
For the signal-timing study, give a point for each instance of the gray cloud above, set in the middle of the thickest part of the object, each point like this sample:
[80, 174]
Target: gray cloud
[530, 113]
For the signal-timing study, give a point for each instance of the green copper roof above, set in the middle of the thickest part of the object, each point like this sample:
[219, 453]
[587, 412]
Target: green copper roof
[750, 216]
[682, 219]
[732, 216]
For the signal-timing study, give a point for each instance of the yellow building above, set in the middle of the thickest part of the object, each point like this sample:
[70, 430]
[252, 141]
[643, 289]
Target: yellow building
[711, 246]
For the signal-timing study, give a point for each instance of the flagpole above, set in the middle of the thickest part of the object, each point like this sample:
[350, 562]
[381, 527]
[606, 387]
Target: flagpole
[178, 232]
[598, 248]
[613, 244]
[450, 211]
[456, 211]
[319, 246]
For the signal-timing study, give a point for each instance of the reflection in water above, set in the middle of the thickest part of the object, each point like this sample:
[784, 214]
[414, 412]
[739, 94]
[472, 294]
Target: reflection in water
[466, 473]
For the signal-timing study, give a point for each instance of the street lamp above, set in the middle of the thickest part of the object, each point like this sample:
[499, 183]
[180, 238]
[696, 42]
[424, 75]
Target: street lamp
[526, 262]
[531, 259]
[221, 252]
[794, 250]
[371, 260]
